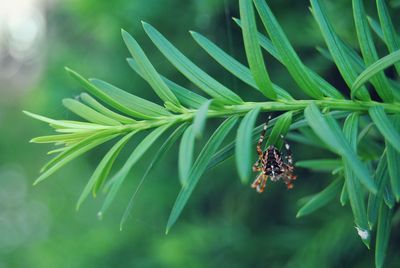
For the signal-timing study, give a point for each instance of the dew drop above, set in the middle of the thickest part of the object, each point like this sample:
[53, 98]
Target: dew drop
[364, 234]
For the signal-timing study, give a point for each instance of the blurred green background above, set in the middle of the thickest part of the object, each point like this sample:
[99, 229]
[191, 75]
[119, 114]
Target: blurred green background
[225, 224]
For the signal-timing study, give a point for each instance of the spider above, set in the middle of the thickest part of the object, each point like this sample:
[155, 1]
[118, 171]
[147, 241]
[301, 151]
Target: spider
[271, 164]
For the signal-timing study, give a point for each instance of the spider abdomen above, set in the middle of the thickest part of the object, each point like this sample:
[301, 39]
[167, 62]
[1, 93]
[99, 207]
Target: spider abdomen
[271, 164]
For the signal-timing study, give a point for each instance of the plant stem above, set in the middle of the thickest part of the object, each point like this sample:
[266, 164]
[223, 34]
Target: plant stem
[283, 105]
[344, 105]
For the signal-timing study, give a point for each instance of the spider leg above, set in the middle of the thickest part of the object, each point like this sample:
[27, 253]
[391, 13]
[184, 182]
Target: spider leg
[260, 182]
[289, 185]
[288, 165]
[264, 182]
[287, 178]
[261, 139]
[256, 166]
[288, 154]
[257, 181]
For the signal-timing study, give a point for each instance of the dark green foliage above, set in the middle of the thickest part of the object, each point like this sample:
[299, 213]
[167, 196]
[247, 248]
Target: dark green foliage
[316, 119]
[199, 167]
[244, 143]
[322, 198]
